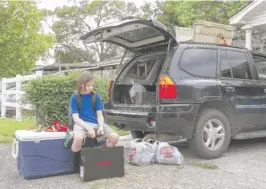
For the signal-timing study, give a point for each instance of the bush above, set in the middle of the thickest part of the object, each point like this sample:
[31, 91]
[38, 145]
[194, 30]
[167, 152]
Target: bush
[50, 95]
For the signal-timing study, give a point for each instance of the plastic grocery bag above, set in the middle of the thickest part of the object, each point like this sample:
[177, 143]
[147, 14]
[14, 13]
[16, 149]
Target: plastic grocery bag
[154, 146]
[140, 153]
[167, 154]
[137, 93]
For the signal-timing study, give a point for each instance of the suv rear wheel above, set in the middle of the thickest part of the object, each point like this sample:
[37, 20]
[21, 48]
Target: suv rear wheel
[212, 134]
[136, 134]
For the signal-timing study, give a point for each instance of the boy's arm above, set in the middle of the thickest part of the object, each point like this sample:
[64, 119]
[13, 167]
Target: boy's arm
[75, 114]
[99, 112]
[82, 123]
[79, 121]
[100, 119]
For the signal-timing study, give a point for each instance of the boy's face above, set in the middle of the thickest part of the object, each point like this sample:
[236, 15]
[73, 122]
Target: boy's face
[89, 87]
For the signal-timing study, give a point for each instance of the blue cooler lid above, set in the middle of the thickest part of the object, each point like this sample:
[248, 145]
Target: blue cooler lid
[25, 135]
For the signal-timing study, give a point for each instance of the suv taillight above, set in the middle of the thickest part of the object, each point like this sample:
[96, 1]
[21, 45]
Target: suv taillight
[110, 82]
[167, 88]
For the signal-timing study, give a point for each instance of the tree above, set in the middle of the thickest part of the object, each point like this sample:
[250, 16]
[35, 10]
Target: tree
[74, 21]
[21, 41]
[150, 10]
[184, 13]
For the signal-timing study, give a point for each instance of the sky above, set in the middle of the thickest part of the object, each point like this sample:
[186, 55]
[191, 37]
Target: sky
[52, 4]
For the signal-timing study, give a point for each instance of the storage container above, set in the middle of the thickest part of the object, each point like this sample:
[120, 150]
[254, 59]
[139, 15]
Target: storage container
[41, 154]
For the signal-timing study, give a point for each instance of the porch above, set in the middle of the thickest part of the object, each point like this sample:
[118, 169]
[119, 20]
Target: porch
[251, 18]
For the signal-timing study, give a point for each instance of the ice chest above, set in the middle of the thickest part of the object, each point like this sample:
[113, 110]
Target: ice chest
[100, 163]
[41, 154]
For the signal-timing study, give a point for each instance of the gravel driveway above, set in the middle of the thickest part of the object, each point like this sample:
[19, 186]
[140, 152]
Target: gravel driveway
[243, 166]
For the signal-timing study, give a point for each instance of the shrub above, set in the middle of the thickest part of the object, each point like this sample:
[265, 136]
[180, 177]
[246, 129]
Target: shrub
[50, 95]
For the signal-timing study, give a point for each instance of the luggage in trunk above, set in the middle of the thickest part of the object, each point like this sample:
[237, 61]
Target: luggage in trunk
[100, 163]
[41, 154]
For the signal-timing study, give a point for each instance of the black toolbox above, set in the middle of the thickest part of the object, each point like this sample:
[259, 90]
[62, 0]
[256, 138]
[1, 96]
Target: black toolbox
[100, 163]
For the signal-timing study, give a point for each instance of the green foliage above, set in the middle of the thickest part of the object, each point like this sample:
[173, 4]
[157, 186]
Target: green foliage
[76, 54]
[50, 95]
[21, 41]
[74, 21]
[184, 13]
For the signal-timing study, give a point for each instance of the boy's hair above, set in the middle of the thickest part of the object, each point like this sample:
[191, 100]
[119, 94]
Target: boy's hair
[83, 79]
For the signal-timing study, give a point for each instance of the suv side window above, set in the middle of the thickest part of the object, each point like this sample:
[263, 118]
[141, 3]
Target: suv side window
[195, 61]
[260, 65]
[225, 67]
[239, 64]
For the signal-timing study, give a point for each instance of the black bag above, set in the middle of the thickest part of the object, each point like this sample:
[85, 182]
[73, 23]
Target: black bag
[100, 163]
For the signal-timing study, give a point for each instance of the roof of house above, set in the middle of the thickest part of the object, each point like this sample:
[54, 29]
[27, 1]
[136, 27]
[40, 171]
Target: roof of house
[248, 3]
[109, 64]
[247, 13]
[57, 66]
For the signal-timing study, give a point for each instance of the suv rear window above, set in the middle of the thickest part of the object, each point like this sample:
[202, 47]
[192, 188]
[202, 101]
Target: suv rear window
[141, 69]
[195, 61]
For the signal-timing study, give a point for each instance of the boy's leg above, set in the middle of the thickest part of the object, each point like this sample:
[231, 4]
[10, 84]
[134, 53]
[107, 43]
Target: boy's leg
[111, 136]
[79, 134]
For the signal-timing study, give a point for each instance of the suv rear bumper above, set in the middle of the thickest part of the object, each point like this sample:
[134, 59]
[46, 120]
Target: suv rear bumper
[178, 118]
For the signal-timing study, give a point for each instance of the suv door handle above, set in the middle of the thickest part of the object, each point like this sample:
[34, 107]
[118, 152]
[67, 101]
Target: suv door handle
[229, 89]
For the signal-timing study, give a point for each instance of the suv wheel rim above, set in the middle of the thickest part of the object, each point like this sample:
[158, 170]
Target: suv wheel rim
[213, 134]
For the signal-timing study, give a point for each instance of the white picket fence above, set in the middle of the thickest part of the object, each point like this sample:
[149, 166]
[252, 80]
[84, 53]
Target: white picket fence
[17, 104]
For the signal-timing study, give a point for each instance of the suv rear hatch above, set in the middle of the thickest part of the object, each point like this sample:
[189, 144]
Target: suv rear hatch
[134, 35]
[150, 41]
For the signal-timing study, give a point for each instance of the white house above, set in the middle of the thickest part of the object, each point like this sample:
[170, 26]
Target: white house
[250, 18]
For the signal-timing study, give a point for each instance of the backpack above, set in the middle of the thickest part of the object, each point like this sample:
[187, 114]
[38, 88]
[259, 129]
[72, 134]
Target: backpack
[70, 118]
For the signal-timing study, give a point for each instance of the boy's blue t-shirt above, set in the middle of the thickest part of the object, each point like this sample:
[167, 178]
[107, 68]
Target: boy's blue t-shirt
[86, 112]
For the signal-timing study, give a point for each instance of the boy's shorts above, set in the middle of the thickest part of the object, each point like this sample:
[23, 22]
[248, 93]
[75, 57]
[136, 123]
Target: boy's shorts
[81, 131]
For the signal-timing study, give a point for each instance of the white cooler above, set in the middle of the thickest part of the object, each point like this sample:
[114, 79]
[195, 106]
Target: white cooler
[41, 154]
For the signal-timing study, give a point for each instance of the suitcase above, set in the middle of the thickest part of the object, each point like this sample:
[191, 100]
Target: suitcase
[41, 154]
[99, 163]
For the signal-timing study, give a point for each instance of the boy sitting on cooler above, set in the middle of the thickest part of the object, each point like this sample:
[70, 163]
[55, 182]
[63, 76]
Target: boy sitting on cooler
[86, 120]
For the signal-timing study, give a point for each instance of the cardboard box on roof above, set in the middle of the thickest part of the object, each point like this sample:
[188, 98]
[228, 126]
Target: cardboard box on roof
[208, 32]
[211, 32]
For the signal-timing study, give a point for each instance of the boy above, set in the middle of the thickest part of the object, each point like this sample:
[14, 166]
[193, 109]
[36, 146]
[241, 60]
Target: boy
[86, 120]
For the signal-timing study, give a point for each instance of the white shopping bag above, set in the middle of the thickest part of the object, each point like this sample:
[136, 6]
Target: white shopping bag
[154, 146]
[140, 153]
[167, 154]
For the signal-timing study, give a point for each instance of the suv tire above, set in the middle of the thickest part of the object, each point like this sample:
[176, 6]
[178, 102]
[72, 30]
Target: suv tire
[136, 134]
[211, 125]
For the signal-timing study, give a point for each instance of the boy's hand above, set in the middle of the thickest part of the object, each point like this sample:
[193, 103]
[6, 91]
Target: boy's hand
[100, 131]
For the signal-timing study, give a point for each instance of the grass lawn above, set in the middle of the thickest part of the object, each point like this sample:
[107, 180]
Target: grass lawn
[120, 132]
[8, 127]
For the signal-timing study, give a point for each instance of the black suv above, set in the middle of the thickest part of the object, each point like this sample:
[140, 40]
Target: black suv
[206, 93]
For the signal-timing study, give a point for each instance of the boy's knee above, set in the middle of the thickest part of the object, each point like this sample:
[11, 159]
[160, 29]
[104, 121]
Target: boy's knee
[113, 138]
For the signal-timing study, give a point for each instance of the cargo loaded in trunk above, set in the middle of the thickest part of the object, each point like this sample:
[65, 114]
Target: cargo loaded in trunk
[140, 93]
[137, 83]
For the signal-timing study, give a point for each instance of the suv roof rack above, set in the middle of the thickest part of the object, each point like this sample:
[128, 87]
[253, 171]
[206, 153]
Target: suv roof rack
[210, 44]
